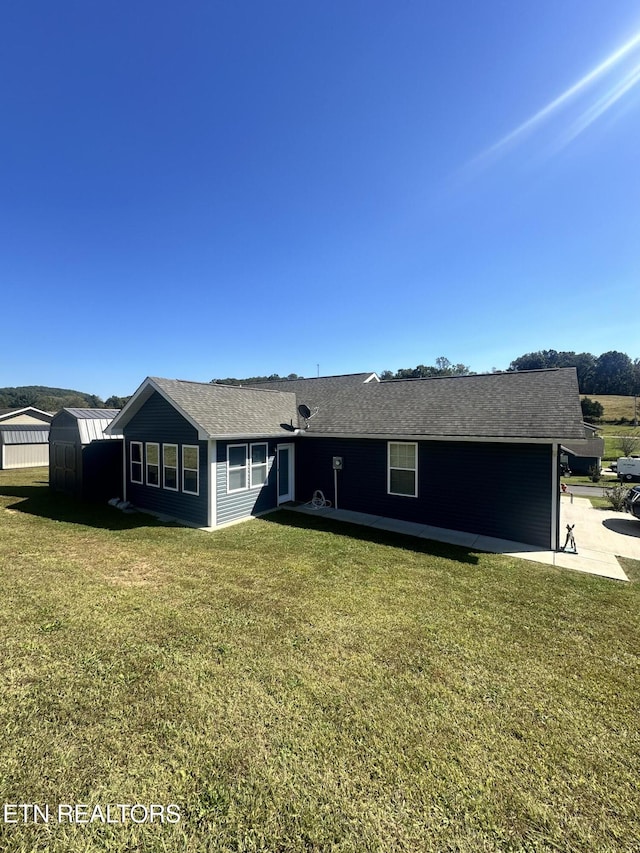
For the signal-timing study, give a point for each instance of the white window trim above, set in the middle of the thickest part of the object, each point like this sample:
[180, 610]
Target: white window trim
[264, 464]
[147, 445]
[389, 469]
[246, 467]
[132, 463]
[197, 469]
[164, 468]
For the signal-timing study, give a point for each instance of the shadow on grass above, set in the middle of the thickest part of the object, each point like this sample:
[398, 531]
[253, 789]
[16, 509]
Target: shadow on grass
[39, 500]
[362, 533]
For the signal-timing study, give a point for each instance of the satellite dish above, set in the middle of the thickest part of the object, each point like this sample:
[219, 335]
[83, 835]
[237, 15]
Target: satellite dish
[305, 411]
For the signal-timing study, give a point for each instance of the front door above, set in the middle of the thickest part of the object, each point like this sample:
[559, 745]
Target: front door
[285, 473]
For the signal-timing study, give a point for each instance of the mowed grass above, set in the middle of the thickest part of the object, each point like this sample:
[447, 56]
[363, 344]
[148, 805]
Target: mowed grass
[297, 686]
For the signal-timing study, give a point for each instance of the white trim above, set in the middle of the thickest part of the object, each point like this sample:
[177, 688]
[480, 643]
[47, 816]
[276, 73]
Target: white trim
[147, 445]
[139, 482]
[264, 464]
[291, 496]
[244, 488]
[373, 378]
[414, 444]
[196, 469]
[175, 488]
[14, 414]
[213, 484]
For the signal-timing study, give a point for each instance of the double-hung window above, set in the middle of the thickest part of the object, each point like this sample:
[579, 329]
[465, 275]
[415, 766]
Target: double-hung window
[153, 463]
[190, 469]
[402, 468]
[237, 465]
[135, 461]
[170, 466]
[259, 472]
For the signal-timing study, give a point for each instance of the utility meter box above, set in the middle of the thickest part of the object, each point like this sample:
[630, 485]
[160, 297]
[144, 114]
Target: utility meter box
[337, 463]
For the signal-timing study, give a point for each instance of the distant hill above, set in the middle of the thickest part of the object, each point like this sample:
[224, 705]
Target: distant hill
[617, 408]
[53, 399]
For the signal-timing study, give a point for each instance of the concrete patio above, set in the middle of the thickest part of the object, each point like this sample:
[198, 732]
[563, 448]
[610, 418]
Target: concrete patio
[600, 536]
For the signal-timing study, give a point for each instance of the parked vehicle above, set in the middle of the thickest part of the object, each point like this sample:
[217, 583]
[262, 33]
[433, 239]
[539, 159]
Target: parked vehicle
[632, 501]
[629, 468]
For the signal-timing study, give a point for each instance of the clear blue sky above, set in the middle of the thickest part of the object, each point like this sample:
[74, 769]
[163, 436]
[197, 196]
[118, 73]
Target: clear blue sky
[212, 189]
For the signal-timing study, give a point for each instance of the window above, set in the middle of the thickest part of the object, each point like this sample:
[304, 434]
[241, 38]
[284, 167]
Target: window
[190, 469]
[259, 472]
[170, 466]
[403, 468]
[135, 461]
[153, 464]
[236, 467]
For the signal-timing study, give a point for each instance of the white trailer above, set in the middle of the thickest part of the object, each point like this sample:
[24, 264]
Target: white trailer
[629, 468]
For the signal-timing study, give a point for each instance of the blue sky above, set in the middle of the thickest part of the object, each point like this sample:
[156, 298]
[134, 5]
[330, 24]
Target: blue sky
[212, 189]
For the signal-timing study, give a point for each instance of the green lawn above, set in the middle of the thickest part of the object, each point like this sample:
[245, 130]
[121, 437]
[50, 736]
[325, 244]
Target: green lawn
[297, 686]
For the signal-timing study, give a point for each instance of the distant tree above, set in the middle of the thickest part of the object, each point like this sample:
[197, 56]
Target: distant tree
[25, 399]
[114, 402]
[442, 367]
[592, 410]
[386, 375]
[614, 374]
[628, 444]
[585, 364]
[251, 380]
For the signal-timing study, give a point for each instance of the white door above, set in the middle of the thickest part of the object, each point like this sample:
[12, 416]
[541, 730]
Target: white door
[285, 473]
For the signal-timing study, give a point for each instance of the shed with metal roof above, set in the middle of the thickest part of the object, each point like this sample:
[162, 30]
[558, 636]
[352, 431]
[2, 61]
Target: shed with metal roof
[24, 445]
[84, 461]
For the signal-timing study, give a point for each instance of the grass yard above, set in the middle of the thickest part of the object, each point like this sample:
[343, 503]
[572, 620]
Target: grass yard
[292, 685]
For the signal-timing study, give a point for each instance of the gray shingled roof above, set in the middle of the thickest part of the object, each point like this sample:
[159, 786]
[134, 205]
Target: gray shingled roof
[592, 447]
[527, 404]
[536, 404]
[229, 410]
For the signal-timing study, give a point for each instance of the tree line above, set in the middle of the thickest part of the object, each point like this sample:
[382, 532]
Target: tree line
[611, 372]
[53, 399]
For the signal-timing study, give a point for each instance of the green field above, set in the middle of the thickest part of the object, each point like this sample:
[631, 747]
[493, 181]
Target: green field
[293, 685]
[615, 407]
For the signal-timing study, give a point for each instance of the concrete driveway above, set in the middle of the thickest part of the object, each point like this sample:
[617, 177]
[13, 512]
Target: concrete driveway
[600, 535]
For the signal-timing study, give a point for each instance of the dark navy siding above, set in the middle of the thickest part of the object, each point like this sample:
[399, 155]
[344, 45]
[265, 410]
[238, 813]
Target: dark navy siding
[158, 421]
[496, 489]
[238, 505]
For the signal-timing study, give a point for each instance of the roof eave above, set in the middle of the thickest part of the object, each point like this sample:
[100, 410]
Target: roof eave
[510, 439]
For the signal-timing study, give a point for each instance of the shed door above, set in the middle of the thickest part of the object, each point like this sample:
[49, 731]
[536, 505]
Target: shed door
[63, 474]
